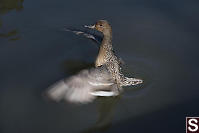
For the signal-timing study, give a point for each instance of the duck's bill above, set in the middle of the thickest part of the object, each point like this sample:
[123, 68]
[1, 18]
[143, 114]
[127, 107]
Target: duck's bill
[90, 26]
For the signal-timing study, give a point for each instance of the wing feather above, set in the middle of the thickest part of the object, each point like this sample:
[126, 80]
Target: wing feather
[83, 87]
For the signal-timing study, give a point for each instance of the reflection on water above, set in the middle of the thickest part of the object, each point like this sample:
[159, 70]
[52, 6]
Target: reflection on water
[106, 107]
[12, 35]
[8, 5]
[5, 7]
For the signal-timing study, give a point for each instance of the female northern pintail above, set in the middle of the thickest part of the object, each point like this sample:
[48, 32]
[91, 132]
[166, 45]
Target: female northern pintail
[105, 79]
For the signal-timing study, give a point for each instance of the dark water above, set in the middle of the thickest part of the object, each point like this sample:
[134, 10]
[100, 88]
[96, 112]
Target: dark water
[158, 40]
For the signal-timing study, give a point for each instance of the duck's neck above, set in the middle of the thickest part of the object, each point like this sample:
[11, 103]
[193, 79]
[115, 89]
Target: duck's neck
[104, 51]
[107, 42]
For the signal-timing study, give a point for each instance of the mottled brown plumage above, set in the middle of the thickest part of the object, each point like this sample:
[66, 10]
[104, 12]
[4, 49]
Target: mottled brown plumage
[107, 56]
[106, 79]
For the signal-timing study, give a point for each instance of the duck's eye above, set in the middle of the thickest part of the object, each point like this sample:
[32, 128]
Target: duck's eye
[100, 25]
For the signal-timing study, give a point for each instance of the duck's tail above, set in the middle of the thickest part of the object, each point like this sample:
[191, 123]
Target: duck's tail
[131, 81]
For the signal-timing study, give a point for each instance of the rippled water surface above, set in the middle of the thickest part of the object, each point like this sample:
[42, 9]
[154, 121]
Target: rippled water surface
[158, 40]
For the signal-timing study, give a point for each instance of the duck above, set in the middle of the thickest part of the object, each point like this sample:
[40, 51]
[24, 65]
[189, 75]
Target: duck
[105, 79]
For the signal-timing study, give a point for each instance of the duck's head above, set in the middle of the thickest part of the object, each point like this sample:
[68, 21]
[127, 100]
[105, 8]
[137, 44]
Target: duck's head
[102, 26]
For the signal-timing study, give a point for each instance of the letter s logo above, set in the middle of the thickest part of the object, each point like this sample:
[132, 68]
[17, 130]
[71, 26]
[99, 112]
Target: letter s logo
[193, 125]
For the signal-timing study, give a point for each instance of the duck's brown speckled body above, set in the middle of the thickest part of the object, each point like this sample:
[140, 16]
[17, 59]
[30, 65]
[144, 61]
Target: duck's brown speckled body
[107, 56]
[106, 79]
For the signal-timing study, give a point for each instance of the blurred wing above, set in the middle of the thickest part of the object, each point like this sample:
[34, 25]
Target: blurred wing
[81, 88]
[96, 38]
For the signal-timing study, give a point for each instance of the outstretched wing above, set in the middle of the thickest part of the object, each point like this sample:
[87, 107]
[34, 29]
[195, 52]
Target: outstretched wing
[84, 87]
[97, 38]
